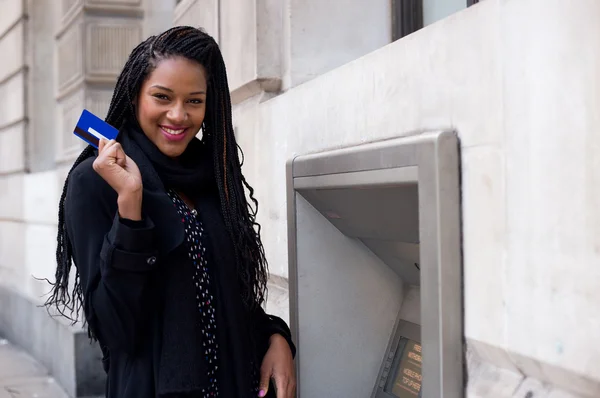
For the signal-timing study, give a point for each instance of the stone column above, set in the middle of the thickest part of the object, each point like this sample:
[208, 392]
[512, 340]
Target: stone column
[200, 14]
[41, 105]
[93, 41]
[250, 36]
[13, 77]
[13, 130]
[251, 39]
[158, 16]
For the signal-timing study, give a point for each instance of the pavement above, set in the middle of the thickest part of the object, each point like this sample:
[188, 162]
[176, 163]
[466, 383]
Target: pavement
[23, 377]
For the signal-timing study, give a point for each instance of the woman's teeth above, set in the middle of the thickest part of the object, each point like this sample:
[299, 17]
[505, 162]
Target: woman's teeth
[173, 132]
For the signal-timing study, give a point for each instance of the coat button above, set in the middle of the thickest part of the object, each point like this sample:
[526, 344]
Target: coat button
[151, 260]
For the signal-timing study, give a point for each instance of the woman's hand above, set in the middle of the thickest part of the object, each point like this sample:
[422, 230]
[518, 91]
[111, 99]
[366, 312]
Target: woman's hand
[278, 364]
[123, 175]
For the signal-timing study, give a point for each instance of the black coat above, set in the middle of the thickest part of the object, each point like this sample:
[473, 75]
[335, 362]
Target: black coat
[120, 263]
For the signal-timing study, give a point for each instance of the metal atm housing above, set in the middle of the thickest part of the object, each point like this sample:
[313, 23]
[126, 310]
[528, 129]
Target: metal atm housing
[376, 269]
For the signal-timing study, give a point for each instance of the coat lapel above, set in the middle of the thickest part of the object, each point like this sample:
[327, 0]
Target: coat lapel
[169, 228]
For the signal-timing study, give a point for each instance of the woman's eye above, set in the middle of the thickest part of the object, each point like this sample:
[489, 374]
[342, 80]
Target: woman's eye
[196, 101]
[161, 96]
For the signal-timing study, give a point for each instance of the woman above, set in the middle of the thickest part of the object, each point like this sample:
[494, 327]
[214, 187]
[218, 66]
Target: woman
[170, 269]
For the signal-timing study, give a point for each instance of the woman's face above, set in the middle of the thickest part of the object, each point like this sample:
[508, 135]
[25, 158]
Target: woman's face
[172, 103]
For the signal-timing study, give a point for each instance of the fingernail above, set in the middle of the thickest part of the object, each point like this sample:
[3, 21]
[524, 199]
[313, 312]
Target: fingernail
[261, 393]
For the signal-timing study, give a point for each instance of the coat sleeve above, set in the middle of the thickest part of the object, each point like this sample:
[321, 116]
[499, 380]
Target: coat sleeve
[269, 325]
[114, 257]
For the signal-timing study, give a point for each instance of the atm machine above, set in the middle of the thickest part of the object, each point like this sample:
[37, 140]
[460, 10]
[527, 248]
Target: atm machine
[375, 269]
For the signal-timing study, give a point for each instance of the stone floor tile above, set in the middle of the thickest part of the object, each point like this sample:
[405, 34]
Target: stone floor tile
[41, 387]
[14, 363]
[23, 377]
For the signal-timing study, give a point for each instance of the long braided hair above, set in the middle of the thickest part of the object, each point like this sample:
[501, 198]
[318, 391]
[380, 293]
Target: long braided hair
[238, 213]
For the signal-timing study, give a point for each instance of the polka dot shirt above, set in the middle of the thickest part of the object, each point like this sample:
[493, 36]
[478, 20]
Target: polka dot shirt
[194, 232]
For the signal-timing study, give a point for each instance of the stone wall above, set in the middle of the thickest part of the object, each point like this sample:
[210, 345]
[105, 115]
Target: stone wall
[13, 76]
[58, 57]
[519, 82]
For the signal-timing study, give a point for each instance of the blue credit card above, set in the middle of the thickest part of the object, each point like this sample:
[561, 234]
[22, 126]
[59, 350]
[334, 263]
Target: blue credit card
[91, 129]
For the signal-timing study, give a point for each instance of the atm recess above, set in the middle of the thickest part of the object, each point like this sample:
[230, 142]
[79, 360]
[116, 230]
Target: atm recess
[371, 214]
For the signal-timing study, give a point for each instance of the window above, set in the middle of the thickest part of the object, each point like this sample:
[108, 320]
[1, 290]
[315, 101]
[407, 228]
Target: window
[407, 17]
[411, 15]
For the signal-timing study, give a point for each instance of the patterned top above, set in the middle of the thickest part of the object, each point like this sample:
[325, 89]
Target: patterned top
[197, 252]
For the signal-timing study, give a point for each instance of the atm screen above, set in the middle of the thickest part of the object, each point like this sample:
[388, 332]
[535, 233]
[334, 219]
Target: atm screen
[401, 371]
[407, 379]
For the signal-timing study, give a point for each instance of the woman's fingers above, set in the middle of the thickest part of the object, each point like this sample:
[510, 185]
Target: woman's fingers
[107, 155]
[265, 376]
[282, 387]
[291, 391]
[104, 145]
[116, 169]
[285, 385]
[119, 155]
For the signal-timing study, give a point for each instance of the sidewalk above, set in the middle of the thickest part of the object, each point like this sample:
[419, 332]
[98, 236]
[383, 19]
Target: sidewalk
[22, 377]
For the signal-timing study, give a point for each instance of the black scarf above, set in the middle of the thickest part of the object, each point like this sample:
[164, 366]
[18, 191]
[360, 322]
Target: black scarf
[191, 173]
[180, 367]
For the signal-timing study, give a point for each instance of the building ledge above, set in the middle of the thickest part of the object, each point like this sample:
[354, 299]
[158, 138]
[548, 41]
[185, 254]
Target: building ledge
[64, 350]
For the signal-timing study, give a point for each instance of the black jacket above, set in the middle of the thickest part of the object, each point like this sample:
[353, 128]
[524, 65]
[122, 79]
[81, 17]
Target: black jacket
[119, 263]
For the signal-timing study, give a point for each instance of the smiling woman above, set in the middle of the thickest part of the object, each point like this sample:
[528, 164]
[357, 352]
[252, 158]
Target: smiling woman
[170, 268]
[172, 104]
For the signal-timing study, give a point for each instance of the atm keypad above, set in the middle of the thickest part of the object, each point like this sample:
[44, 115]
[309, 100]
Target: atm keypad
[386, 368]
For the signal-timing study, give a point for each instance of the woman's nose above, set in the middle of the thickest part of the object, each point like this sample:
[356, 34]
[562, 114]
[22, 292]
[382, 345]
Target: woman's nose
[177, 114]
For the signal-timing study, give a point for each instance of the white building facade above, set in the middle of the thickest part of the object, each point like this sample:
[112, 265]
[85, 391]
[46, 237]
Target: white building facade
[519, 81]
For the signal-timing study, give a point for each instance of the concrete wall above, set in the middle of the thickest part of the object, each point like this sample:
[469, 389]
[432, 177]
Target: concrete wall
[13, 128]
[13, 75]
[274, 45]
[158, 16]
[519, 82]
[51, 69]
[326, 34]
[40, 101]
[28, 201]
[199, 13]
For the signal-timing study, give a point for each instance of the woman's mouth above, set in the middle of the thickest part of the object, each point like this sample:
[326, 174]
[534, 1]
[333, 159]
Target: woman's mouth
[173, 133]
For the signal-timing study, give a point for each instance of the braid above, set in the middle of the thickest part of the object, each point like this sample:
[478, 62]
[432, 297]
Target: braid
[68, 303]
[239, 215]
[59, 295]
